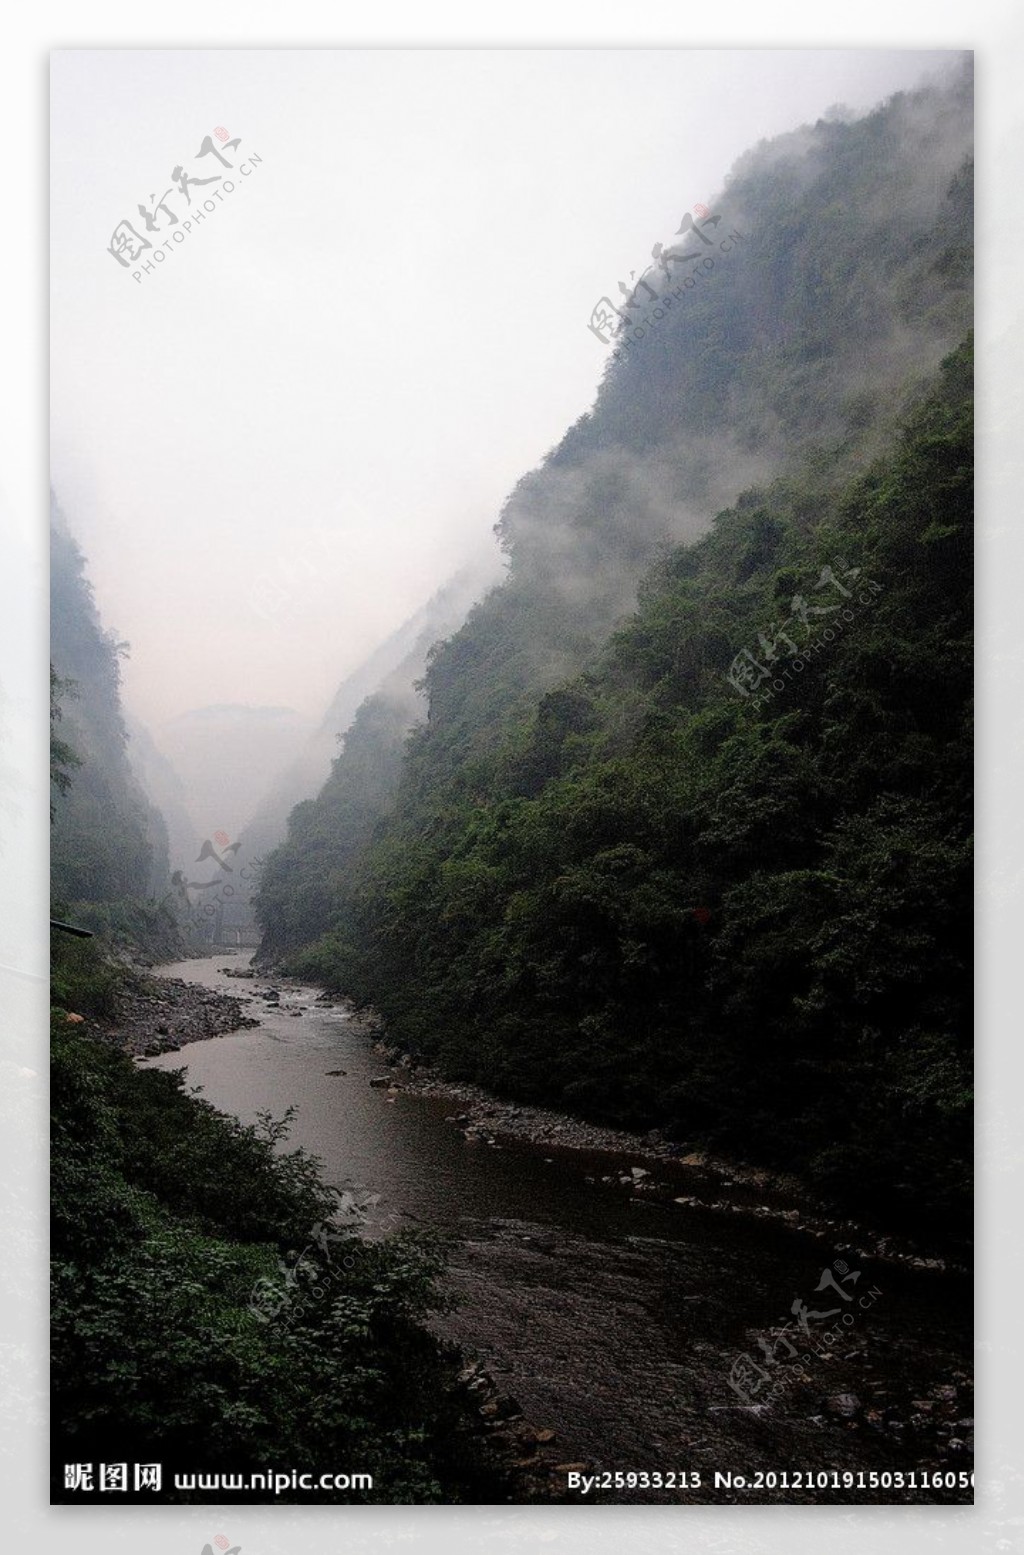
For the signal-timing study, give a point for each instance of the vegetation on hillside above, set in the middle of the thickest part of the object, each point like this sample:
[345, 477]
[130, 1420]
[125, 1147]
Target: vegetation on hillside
[211, 1313]
[664, 853]
[108, 846]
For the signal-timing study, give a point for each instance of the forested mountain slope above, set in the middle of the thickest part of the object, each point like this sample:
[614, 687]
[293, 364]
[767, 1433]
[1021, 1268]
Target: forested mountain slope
[704, 866]
[108, 861]
[391, 671]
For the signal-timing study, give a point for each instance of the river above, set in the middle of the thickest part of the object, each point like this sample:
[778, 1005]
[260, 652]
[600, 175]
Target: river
[611, 1319]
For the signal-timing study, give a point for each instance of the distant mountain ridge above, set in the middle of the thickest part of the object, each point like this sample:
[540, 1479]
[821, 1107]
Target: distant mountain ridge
[393, 668]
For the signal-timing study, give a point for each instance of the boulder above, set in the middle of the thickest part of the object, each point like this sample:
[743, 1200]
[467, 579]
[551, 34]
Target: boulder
[844, 1404]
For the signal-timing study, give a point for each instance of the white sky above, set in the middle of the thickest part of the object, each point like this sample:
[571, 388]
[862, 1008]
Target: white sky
[275, 447]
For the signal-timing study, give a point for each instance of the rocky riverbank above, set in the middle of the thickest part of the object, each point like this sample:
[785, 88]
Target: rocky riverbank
[651, 1166]
[602, 1321]
[599, 1357]
[162, 1014]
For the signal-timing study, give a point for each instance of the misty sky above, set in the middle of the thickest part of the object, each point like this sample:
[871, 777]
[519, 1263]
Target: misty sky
[293, 430]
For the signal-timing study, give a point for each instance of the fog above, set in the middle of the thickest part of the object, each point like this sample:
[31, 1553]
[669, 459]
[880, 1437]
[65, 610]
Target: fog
[278, 441]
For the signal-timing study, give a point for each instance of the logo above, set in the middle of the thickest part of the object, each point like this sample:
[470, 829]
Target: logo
[181, 217]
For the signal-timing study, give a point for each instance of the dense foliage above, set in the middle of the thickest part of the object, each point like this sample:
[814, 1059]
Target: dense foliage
[169, 1219]
[192, 1325]
[680, 905]
[108, 857]
[852, 279]
[609, 877]
[326, 837]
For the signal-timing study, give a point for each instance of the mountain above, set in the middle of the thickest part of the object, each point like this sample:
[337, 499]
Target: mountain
[159, 779]
[225, 755]
[109, 862]
[683, 840]
[396, 665]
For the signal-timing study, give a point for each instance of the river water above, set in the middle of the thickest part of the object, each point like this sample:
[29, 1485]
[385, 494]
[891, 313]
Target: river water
[611, 1319]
